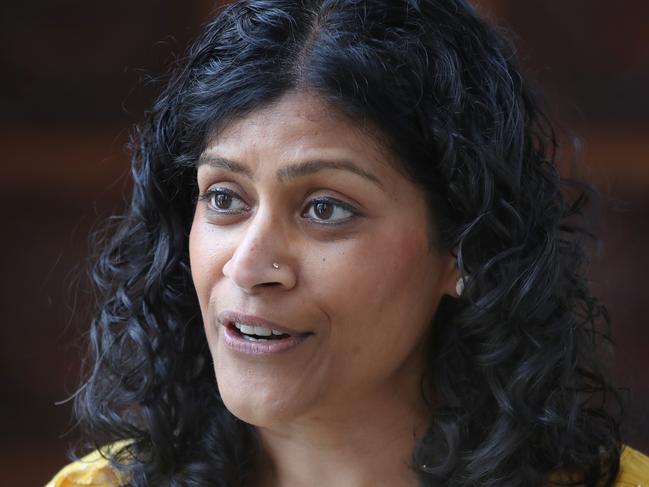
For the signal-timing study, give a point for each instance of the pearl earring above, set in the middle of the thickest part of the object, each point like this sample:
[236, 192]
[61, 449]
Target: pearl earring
[459, 287]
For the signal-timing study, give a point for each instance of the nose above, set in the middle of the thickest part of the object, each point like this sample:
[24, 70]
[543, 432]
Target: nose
[261, 258]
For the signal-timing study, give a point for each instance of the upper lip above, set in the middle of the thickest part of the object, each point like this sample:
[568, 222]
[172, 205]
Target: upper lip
[230, 317]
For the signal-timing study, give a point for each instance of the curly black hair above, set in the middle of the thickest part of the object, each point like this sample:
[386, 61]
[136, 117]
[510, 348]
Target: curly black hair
[519, 391]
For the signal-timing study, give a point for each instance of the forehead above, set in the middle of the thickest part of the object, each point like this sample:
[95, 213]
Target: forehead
[296, 123]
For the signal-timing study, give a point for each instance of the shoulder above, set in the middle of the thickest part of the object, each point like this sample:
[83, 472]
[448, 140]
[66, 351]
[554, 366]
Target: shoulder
[93, 470]
[634, 469]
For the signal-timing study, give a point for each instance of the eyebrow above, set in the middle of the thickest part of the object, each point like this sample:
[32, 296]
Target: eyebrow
[223, 163]
[293, 171]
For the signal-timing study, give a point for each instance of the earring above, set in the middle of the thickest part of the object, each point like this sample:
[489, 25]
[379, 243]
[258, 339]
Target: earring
[275, 265]
[459, 286]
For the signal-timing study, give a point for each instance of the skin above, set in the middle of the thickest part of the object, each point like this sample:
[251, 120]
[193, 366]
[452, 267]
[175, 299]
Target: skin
[357, 272]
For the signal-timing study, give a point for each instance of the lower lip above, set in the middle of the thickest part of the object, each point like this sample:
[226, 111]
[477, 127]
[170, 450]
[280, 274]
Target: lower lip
[234, 341]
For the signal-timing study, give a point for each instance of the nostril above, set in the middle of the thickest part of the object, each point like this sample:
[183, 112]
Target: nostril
[269, 284]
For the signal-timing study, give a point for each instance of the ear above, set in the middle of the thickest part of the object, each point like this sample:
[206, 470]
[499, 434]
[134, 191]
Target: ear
[450, 274]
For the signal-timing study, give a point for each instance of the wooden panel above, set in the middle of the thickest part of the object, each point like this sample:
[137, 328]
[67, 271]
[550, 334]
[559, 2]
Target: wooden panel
[592, 56]
[70, 60]
[67, 161]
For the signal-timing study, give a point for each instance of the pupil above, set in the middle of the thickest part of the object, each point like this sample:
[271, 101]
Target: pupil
[323, 210]
[223, 200]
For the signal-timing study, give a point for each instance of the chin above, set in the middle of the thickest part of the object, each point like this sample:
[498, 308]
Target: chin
[257, 401]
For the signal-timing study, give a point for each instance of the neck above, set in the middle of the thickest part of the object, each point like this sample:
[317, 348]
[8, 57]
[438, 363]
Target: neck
[371, 446]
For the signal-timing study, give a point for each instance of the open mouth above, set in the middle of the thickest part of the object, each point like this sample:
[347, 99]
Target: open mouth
[254, 333]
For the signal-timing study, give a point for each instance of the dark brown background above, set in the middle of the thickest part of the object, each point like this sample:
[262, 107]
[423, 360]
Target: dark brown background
[76, 75]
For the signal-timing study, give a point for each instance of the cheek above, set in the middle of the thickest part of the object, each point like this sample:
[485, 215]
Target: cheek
[196, 258]
[382, 306]
[392, 270]
[205, 262]
[383, 285]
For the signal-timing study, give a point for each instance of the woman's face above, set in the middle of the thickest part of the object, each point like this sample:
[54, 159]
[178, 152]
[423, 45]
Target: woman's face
[306, 231]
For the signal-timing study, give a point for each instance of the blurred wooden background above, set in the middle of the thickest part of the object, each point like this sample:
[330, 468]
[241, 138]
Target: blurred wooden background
[76, 75]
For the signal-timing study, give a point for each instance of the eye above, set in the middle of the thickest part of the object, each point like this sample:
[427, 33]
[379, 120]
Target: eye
[329, 211]
[223, 201]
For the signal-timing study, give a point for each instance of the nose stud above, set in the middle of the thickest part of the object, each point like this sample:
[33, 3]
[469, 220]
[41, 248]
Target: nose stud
[275, 265]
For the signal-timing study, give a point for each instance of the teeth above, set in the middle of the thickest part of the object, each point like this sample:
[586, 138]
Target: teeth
[248, 330]
[262, 332]
[256, 330]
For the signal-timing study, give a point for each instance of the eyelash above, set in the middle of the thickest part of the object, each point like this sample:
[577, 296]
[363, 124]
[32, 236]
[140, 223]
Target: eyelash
[337, 204]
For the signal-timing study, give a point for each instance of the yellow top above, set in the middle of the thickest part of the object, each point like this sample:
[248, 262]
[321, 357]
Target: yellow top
[634, 469]
[93, 470]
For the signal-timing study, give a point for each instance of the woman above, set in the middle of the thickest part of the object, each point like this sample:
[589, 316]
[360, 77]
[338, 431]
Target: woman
[347, 262]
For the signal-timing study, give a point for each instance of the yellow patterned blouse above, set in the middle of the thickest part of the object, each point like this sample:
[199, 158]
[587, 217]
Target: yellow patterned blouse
[94, 471]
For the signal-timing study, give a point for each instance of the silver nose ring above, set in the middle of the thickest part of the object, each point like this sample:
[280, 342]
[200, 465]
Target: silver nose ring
[275, 265]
